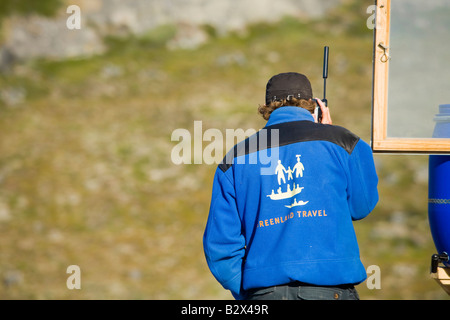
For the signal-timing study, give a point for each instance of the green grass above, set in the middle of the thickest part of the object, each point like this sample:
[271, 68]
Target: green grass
[86, 176]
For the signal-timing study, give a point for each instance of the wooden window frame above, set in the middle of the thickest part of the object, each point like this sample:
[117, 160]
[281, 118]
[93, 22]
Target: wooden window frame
[380, 141]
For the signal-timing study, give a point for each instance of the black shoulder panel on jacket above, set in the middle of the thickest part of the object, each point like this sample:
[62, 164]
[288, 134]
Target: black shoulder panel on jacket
[292, 132]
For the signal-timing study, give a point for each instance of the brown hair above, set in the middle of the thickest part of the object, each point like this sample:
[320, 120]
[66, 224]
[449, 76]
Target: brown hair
[266, 110]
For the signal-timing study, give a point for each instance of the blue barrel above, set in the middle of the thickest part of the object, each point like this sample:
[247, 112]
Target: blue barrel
[442, 119]
[439, 187]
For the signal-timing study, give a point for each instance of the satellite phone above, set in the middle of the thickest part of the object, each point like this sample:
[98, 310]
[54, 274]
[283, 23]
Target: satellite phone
[318, 111]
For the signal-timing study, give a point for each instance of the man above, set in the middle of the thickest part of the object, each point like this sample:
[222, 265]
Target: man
[291, 238]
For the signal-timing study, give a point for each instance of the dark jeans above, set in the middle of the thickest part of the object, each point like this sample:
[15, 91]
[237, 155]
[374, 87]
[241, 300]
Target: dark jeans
[303, 291]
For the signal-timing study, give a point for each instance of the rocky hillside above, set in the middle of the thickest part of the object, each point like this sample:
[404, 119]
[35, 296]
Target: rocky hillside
[37, 36]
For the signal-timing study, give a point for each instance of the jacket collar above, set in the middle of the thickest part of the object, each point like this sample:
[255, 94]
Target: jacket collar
[288, 114]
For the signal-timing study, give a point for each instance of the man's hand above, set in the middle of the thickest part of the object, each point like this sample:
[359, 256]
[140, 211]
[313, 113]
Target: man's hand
[326, 116]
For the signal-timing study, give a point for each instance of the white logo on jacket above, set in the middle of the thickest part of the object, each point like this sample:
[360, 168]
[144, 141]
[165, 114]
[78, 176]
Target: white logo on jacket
[292, 188]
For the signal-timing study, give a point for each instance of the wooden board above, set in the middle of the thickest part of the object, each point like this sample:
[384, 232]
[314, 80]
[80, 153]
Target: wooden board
[380, 141]
[442, 276]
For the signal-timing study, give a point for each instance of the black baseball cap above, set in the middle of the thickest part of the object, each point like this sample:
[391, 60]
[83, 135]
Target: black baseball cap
[283, 85]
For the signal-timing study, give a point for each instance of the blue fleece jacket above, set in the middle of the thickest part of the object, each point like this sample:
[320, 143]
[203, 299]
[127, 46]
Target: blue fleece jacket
[290, 218]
